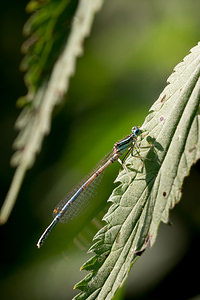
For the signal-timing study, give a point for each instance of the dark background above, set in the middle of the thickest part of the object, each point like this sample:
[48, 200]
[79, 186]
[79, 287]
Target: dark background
[133, 48]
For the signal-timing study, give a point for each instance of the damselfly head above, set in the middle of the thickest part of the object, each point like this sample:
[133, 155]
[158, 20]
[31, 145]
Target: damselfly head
[136, 131]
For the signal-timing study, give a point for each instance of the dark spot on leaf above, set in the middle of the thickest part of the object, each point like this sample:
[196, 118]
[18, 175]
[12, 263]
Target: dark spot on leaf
[139, 252]
[162, 118]
[163, 98]
[144, 247]
[164, 194]
[192, 149]
[117, 240]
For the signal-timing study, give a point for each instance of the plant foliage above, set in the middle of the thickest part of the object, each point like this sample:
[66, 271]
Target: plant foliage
[172, 127]
[169, 146]
[56, 33]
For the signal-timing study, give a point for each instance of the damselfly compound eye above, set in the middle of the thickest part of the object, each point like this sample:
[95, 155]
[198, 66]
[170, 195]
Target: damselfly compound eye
[136, 131]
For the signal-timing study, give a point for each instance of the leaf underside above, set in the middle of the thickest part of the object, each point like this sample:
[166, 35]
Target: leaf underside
[170, 146]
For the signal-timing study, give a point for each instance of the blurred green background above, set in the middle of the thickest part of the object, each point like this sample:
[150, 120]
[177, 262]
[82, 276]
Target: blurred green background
[133, 48]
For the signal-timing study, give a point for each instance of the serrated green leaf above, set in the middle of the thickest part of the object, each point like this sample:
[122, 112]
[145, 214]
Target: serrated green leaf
[57, 32]
[172, 131]
[81, 285]
[95, 261]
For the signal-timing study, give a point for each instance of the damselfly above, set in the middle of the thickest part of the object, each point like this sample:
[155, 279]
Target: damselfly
[64, 210]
